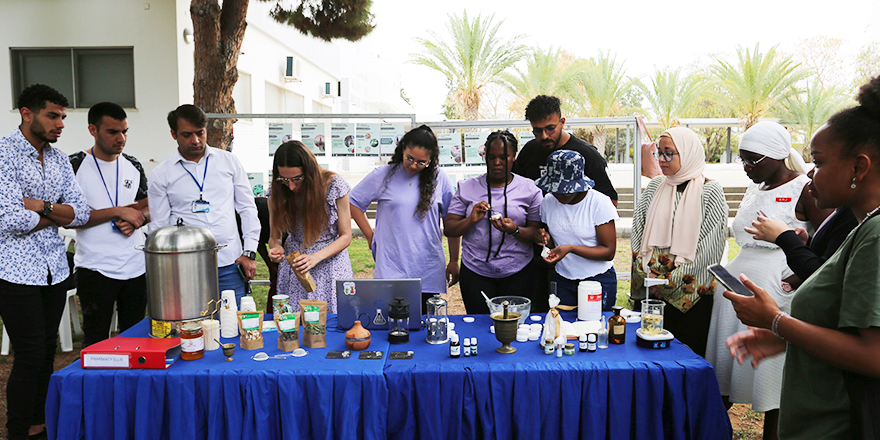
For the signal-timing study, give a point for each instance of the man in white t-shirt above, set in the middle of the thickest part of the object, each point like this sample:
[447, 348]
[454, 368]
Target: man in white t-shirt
[108, 267]
[206, 187]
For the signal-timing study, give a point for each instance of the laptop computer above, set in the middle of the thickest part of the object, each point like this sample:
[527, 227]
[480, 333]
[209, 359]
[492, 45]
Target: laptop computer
[366, 300]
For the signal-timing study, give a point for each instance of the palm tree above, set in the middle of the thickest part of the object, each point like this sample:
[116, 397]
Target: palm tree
[602, 87]
[475, 56]
[671, 94]
[550, 72]
[811, 108]
[757, 82]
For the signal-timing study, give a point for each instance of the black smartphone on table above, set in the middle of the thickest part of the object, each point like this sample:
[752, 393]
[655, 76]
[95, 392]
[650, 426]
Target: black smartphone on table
[729, 281]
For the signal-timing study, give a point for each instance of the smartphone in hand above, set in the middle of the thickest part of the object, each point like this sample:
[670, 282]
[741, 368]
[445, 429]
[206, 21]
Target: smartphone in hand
[729, 281]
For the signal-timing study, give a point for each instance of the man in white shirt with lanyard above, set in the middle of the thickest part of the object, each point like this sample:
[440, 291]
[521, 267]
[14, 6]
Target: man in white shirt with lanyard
[108, 267]
[206, 187]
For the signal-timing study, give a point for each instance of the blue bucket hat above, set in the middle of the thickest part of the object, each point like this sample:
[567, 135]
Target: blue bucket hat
[565, 174]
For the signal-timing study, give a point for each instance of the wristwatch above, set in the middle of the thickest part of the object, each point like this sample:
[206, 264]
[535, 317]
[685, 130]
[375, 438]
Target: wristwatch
[47, 209]
[249, 254]
[516, 231]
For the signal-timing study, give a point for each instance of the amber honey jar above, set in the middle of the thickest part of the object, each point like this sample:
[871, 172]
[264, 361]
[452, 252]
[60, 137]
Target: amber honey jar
[192, 343]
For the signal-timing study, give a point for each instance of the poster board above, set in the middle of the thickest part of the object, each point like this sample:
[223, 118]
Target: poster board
[390, 134]
[367, 139]
[342, 139]
[279, 133]
[474, 147]
[313, 136]
[450, 148]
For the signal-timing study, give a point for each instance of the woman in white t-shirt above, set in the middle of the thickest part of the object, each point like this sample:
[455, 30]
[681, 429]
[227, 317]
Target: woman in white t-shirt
[581, 229]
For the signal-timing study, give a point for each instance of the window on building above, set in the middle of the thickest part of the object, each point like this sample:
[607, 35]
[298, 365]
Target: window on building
[241, 93]
[86, 76]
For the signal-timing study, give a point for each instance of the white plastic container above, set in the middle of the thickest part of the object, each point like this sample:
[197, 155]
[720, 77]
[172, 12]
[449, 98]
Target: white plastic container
[228, 316]
[589, 301]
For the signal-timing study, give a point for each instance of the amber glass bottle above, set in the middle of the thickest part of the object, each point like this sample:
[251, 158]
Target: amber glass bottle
[616, 327]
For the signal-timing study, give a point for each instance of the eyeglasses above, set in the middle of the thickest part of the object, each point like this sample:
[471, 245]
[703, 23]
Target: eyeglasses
[296, 179]
[749, 162]
[412, 161]
[667, 156]
[550, 129]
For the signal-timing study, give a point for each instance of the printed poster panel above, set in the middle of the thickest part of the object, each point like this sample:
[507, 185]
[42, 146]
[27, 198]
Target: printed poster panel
[525, 136]
[313, 137]
[390, 134]
[279, 133]
[342, 137]
[450, 148]
[257, 184]
[474, 147]
[367, 139]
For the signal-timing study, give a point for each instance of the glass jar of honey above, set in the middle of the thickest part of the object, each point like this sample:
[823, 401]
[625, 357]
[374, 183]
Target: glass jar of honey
[192, 343]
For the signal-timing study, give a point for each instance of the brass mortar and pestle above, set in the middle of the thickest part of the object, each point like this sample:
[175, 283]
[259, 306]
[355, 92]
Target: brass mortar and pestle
[228, 349]
[506, 324]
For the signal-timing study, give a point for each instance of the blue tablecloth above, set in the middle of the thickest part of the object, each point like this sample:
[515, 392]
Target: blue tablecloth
[308, 397]
[622, 392]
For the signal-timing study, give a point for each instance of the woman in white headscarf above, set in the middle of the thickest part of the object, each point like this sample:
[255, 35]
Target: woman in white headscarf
[779, 191]
[679, 229]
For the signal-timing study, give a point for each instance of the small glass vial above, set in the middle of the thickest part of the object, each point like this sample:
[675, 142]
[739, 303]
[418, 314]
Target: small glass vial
[473, 346]
[569, 349]
[582, 343]
[559, 350]
[192, 343]
[467, 347]
[549, 346]
[617, 327]
[602, 337]
[454, 347]
[591, 342]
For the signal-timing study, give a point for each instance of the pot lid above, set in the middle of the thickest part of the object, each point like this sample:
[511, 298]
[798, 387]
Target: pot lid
[180, 238]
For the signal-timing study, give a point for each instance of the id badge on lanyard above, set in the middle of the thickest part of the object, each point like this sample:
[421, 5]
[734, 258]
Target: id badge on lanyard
[201, 206]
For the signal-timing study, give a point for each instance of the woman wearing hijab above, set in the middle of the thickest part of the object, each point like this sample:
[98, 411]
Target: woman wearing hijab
[679, 229]
[779, 192]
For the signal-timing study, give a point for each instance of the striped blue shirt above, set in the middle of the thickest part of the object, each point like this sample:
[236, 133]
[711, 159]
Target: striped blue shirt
[29, 257]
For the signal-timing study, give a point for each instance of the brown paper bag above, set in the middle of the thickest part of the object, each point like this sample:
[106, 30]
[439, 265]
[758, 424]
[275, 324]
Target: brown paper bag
[288, 331]
[313, 314]
[250, 324]
[305, 279]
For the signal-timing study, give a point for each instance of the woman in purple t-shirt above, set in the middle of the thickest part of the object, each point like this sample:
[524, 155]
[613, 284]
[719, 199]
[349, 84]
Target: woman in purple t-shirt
[496, 249]
[413, 195]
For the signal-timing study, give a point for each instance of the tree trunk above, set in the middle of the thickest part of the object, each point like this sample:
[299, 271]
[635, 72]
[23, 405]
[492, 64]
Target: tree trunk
[218, 33]
[599, 137]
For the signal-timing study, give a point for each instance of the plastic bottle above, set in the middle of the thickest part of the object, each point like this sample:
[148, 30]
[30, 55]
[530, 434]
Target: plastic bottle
[582, 342]
[473, 346]
[454, 347]
[467, 347]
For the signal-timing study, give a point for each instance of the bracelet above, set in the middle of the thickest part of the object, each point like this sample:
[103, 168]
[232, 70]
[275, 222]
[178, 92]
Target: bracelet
[775, 326]
[516, 231]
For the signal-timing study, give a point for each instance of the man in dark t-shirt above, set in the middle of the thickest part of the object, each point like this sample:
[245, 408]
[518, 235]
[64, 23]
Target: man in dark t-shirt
[544, 113]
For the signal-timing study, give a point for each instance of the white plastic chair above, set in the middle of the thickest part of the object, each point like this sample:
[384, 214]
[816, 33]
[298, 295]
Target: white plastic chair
[70, 312]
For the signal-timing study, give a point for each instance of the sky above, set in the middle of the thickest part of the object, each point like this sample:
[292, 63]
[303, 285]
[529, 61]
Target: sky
[643, 34]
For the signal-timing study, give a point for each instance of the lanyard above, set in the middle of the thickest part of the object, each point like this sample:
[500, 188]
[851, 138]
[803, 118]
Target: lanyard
[116, 203]
[202, 185]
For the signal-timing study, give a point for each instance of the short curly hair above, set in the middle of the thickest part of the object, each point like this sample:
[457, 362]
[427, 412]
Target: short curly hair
[543, 106]
[34, 97]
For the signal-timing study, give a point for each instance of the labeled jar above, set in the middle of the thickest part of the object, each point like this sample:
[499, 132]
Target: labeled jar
[549, 346]
[192, 341]
[569, 349]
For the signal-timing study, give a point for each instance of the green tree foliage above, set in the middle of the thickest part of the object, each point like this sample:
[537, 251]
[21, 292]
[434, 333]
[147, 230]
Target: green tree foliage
[671, 93]
[867, 64]
[756, 82]
[547, 72]
[602, 87]
[326, 19]
[472, 57]
[810, 108]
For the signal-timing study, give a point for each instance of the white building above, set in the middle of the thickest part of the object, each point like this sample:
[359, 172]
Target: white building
[139, 53]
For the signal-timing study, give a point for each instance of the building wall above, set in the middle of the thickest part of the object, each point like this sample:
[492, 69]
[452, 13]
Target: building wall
[150, 27]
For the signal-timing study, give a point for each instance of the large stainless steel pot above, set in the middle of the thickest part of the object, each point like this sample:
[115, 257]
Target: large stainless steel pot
[181, 272]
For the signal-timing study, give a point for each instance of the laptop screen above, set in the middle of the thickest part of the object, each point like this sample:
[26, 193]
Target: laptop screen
[366, 300]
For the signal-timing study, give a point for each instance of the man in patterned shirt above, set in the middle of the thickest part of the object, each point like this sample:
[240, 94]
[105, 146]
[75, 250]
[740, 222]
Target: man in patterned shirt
[37, 194]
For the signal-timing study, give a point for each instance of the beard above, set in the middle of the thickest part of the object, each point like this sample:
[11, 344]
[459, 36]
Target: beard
[37, 130]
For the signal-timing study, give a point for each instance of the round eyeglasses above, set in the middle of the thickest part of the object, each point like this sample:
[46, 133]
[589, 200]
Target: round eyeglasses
[667, 156]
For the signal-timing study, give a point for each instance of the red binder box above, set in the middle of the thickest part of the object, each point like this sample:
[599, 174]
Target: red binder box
[121, 352]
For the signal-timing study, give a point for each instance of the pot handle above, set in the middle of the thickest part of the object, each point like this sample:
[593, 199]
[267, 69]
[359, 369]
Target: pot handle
[219, 246]
[139, 247]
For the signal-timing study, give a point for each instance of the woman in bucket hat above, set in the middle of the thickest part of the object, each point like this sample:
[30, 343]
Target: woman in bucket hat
[679, 229]
[581, 234]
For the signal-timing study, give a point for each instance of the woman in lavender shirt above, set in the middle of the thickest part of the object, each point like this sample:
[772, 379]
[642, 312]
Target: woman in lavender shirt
[498, 217]
[413, 195]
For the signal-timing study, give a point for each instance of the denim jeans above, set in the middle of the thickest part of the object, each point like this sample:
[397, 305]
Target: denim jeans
[230, 279]
[566, 289]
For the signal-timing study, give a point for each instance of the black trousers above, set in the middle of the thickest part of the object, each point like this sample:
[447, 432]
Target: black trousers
[523, 283]
[691, 328]
[31, 315]
[97, 293]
